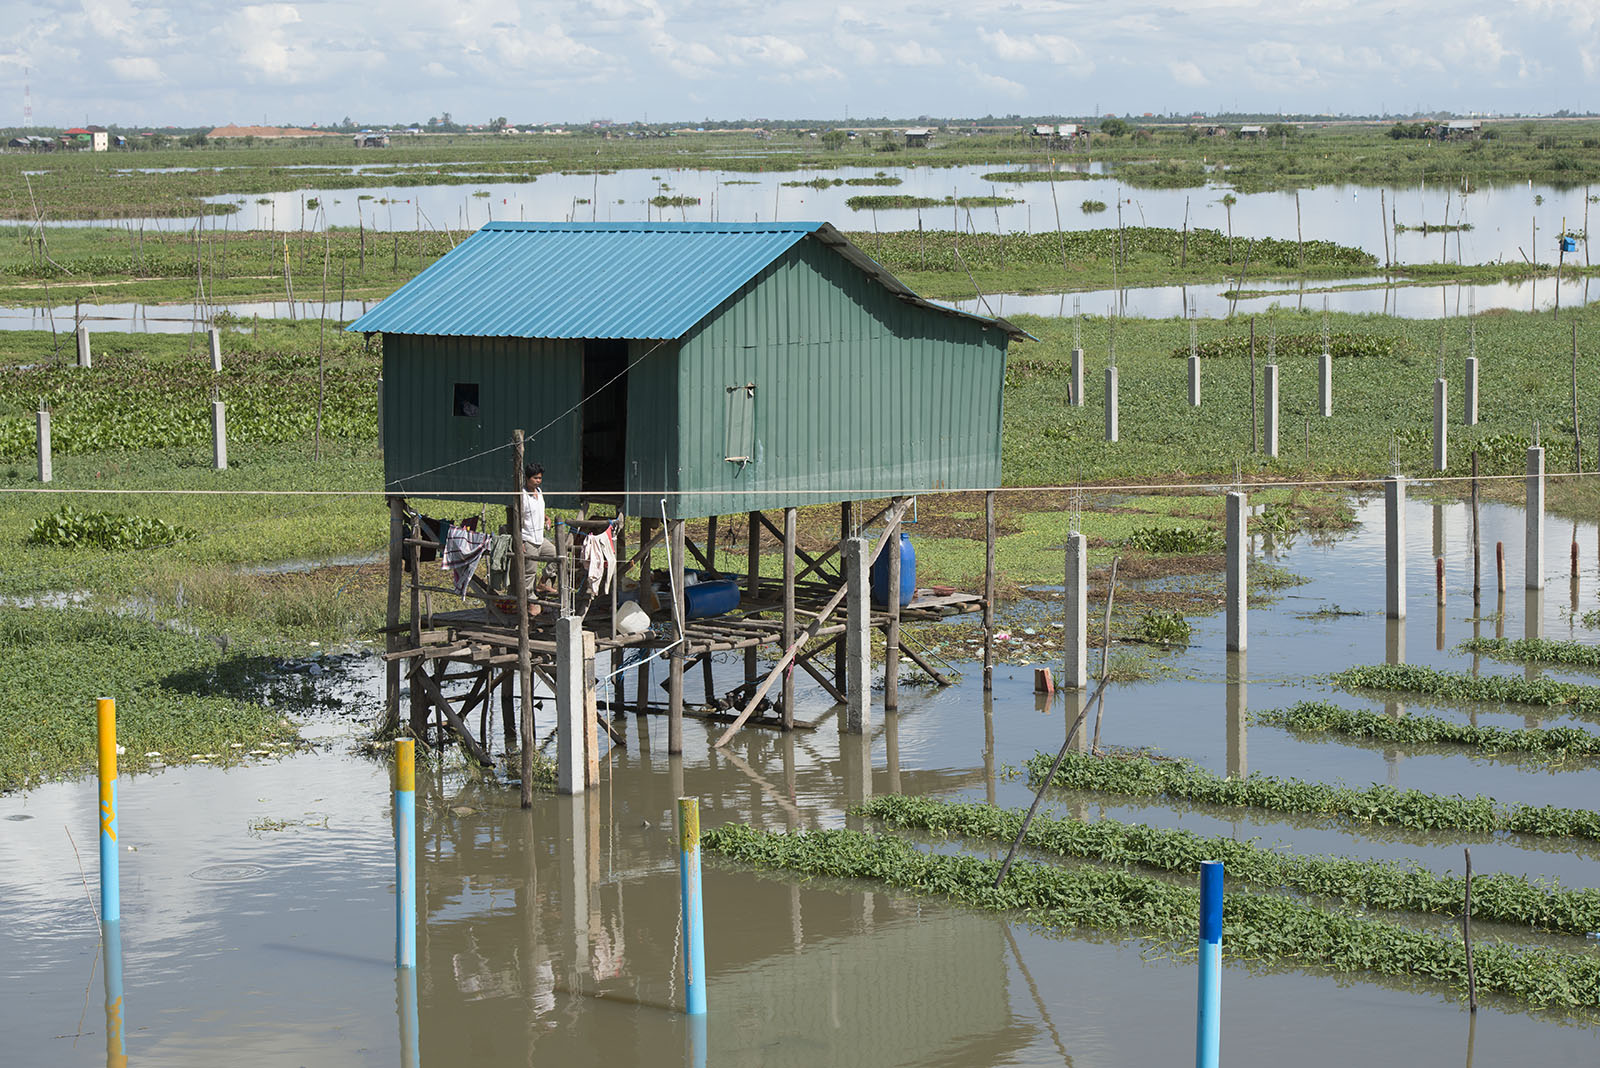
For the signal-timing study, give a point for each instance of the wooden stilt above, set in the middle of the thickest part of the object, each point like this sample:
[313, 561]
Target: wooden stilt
[841, 653]
[711, 565]
[419, 703]
[391, 670]
[508, 711]
[519, 579]
[988, 591]
[789, 531]
[891, 633]
[675, 661]
[751, 587]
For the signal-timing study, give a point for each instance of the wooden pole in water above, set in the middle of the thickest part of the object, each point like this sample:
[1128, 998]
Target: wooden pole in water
[711, 564]
[675, 551]
[1500, 566]
[752, 585]
[988, 591]
[891, 633]
[1255, 442]
[789, 628]
[1577, 423]
[1438, 578]
[391, 619]
[1383, 226]
[841, 650]
[1477, 547]
[519, 578]
[1466, 937]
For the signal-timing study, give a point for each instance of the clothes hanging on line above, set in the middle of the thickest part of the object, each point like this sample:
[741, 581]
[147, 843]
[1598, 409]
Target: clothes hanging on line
[599, 558]
[500, 550]
[462, 550]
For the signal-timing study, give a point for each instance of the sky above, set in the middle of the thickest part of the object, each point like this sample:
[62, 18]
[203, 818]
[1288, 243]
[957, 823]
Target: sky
[193, 63]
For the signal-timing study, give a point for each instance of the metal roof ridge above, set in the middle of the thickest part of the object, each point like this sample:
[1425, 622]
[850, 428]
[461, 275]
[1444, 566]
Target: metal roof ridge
[660, 227]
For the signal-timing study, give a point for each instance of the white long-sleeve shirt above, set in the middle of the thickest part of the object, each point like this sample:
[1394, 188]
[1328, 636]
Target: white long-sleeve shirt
[532, 519]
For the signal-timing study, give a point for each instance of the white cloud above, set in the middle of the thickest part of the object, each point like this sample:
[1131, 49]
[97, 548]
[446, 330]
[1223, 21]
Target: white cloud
[259, 33]
[914, 54]
[767, 48]
[135, 68]
[1187, 73]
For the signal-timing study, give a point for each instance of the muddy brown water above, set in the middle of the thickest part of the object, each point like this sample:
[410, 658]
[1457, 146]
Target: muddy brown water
[258, 922]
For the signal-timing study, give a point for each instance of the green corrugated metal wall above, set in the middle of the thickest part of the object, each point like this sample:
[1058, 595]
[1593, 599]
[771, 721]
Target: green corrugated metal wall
[521, 383]
[858, 394]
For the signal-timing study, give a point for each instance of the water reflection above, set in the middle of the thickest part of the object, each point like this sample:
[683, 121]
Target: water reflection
[1236, 701]
[116, 1023]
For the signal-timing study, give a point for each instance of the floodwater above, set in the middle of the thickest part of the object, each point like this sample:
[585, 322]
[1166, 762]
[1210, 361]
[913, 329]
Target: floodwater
[258, 918]
[1208, 301]
[1153, 302]
[1509, 222]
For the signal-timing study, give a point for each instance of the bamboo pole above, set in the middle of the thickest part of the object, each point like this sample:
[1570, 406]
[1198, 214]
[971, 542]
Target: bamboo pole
[1466, 937]
[789, 532]
[988, 591]
[519, 578]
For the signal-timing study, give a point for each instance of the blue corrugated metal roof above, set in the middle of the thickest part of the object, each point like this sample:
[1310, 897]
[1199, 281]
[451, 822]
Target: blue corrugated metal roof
[583, 280]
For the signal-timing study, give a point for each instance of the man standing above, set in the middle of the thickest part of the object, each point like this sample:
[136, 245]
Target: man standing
[538, 550]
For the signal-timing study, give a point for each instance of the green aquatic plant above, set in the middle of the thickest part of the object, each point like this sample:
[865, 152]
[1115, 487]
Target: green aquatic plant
[1138, 775]
[1496, 897]
[67, 527]
[1268, 927]
[1162, 628]
[1461, 686]
[1414, 728]
[1173, 540]
[1540, 650]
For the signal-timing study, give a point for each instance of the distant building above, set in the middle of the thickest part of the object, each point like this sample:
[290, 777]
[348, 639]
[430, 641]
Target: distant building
[1459, 130]
[1216, 130]
[368, 139]
[1044, 129]
[918, 137]
[1252, 131]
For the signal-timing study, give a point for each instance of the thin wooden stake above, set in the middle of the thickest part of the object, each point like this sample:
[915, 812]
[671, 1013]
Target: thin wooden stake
[1477, 558]
[1466, 937]
[1255, 445]
[1105, 650]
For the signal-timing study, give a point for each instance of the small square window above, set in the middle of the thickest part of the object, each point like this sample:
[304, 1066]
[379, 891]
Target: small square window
[466, 403]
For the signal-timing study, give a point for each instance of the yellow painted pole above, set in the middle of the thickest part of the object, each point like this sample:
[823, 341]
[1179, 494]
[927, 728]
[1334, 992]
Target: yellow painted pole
[110, 884]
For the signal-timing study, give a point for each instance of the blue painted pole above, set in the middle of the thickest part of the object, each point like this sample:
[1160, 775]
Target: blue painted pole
[1208, 1037]
[110, 880]
[116, 1027]
[694, 946]
[405, 853]
[410, 1038]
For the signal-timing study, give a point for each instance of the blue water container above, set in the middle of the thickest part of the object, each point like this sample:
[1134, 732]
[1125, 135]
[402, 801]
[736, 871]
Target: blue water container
[908, 574]
[713, 595]
[1569, 244]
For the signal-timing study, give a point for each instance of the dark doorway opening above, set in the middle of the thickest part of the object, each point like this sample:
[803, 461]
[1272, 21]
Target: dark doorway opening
[605, 417]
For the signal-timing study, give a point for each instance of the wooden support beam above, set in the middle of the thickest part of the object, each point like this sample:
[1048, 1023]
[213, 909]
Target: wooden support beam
[752, 586]
[391, 671]
[519, 580]
[420, 677]
[916, 659]
[840, 653]
[710, 561]
[891, 633]
[804, 660]
[811, 629]
[777, 533]
[789, 550]
[675, 661]
[988, 592]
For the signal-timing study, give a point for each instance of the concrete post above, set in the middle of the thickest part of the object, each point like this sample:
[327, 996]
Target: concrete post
[45, 472]
[858, 636]
[1236, 701]
[570, 762]
[216, 350]
[1394, 547]
[1077, 378]
[1325, 384]
[1194, 381]
[1534, 566]
[1111, 404]
[1075, 593]
[84, 357]
[1238, 572]
[1270, 387]
[219, 436]
[1441, 424]
[1469, 398]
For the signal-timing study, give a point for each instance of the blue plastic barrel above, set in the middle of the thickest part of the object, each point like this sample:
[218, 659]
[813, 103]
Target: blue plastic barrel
[908, 573]
[711, 596]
